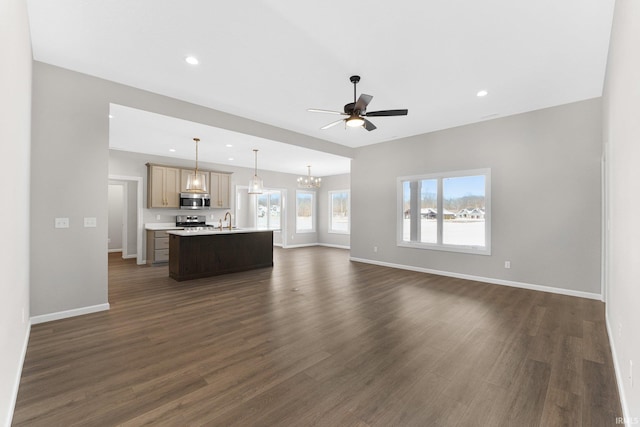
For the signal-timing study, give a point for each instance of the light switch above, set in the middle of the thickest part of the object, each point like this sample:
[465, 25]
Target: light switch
[90, 222]
[62, 223]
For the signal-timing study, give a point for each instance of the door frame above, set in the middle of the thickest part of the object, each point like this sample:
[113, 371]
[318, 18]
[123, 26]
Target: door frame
[140, 226]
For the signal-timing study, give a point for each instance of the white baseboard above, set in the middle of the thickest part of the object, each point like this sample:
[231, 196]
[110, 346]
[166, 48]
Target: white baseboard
[303, 245]
[68, 313]
[129, 256]
[306, 245]
[485, 279]
[114, 250]
[329, 245]
[16, 384]
[619, 376]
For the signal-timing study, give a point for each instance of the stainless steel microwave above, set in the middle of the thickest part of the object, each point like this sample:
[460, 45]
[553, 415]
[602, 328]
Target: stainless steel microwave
[195, 201]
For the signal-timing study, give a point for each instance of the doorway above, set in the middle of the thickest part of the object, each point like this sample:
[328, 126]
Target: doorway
[131, 218]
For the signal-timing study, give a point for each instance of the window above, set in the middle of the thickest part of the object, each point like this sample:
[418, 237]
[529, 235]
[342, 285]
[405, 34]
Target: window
[446, 211]
[305, 211]
[339, 211]
[268, 211]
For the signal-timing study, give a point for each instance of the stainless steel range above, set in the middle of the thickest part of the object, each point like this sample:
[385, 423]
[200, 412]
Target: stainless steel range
[193, 222]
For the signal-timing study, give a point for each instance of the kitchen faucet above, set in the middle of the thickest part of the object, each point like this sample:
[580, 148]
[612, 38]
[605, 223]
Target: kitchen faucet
[225, 218]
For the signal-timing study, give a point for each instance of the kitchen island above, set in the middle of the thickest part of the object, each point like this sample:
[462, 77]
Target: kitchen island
[202, 253]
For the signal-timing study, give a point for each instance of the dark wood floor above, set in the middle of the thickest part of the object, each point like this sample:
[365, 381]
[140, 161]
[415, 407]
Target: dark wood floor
[319, 340]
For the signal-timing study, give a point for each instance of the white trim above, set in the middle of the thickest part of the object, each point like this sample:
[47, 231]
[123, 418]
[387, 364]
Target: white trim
[330, 230]
[68, 313]
[302, 245]
[116, 250]
[416, 232]
[329, 245]
[129, 256]
[16, 383]
[314, 200]
[511, 283]
[307, 245]
[619, 376]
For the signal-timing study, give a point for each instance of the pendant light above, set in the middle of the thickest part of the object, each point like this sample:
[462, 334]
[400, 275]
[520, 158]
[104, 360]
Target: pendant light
[196, 182]
[309, 181]
[255, 183]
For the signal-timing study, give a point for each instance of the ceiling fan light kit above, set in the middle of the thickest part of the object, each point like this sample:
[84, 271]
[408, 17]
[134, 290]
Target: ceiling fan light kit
[355, 121]
[357, 111]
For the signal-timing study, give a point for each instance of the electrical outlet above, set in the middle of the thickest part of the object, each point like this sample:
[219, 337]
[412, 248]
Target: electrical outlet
[24, 315]
[375, 249]
[90, 222]
[631, 372]
[619, 330]
[507, 264]
[158, 217]
[62, 223]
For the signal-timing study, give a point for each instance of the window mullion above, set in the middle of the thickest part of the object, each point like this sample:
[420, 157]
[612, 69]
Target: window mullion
[440, 213]
[415, 211]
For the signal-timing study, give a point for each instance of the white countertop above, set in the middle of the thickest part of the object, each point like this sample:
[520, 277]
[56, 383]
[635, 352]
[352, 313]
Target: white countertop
[214, 231]
[163, 226]
[160, 226]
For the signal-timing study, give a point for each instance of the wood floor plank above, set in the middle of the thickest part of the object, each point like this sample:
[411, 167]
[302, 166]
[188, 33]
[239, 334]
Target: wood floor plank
[320, 340]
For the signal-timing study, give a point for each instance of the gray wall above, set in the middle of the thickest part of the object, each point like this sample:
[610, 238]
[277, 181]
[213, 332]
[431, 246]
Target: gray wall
[116, 215]
[546, 196]
[70, 158]
[331, 183]
[15, 128]
[132, 219]
[622, 137]
[69, 179]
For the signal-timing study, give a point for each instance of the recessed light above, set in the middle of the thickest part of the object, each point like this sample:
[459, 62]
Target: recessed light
[173, 150]
[229, 145]
[192, 60]
[230, 158]
[482, 93]
[110, 116]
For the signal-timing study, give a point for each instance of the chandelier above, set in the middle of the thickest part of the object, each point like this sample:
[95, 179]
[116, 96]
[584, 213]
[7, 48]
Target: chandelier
[196, 181]
[309, 181]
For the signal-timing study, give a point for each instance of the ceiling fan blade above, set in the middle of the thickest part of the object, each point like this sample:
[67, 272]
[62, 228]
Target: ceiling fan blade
[368, 125]
[315, 110]
[387, 113]
[331, 124]
[362, 102]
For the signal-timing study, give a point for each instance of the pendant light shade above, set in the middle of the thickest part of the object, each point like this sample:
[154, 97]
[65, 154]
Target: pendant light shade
[255, 183]
[309, 181]
[196, 181]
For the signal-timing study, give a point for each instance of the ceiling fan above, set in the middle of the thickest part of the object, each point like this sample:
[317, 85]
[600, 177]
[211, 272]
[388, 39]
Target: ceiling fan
[357, 111]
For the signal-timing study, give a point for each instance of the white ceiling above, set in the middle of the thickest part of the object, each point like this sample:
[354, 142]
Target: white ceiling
[271, 60]
[150, 133]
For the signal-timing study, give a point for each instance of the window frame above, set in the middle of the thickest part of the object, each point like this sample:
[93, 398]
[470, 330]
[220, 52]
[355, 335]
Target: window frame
[330, 228]
[440, 246]
[268, 193]
[313, 212]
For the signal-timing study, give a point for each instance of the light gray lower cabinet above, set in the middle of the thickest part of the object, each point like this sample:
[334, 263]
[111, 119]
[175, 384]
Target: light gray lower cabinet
[157, 247]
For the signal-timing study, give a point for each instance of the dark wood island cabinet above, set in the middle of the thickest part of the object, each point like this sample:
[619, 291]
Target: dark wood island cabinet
[193, 255]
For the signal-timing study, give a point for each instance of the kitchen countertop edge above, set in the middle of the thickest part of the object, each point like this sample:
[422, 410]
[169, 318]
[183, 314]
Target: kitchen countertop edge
[189, 233]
